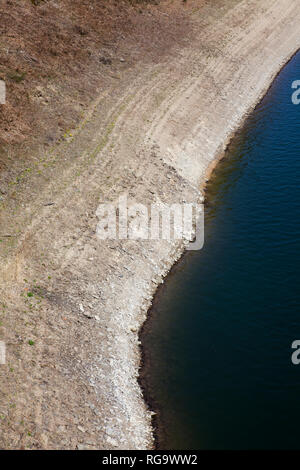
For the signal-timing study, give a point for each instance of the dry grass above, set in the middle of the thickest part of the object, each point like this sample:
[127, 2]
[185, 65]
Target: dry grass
[55, 53]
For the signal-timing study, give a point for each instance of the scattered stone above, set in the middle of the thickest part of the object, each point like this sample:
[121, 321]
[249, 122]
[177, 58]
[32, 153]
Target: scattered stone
[82, 447]
[87, 314]
[105, 60]
[112, 442]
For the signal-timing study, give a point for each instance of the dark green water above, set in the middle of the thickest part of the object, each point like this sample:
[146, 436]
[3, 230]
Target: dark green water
[218, 344]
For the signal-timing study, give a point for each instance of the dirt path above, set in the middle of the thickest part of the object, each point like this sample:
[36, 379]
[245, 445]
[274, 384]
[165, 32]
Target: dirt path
[71, 304]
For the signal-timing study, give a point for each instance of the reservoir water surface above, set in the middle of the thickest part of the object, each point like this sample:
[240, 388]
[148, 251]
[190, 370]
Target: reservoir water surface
[217, 346]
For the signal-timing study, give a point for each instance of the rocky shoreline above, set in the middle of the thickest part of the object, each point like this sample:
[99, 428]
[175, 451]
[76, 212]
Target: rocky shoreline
[155, 136]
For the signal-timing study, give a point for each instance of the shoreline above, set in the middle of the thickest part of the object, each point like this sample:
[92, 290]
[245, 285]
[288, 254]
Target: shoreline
[145, 326]
[157, 135]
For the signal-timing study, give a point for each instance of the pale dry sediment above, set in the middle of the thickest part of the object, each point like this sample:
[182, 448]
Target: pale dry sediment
[166, 128]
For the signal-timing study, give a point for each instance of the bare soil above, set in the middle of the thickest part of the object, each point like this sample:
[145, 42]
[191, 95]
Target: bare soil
[56, 55]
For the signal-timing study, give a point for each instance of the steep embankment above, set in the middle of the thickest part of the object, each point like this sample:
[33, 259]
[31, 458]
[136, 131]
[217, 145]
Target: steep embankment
[153, 134]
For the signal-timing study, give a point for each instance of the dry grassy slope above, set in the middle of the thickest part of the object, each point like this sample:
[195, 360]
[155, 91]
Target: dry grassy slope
[56, 54]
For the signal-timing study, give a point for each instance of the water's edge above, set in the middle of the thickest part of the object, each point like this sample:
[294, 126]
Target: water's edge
[219, 156]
